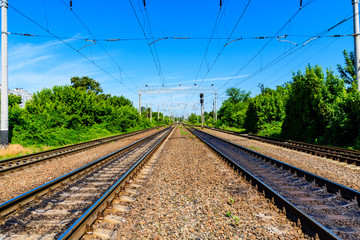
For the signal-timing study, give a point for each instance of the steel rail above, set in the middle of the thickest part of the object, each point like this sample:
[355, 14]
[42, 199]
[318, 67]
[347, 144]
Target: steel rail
[78, 228]
[308, 224]
[334, 153]
[23, 199]
[16, 163]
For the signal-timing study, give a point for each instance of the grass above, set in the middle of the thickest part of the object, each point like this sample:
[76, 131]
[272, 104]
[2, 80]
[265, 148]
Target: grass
[255, 148]
[182, 132]
[16, 150]
[234, 218]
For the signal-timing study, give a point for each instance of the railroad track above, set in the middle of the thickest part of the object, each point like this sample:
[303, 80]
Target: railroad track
[14, 164]
[334, 153]
[64, 207]
[322, 208]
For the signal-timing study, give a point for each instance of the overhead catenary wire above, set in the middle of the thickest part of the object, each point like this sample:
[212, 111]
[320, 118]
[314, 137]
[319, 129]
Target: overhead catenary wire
[95, 41]
[230, 35]
[154, 44]
[174, 38]
[208, 44]
[289, 52]
[147, 40]
[301, 64]
[67, 44]
[268, 42]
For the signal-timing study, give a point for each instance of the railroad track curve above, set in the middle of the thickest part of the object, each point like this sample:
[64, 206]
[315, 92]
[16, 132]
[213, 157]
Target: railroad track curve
[322, 208]
[64, 207]
[17, 163]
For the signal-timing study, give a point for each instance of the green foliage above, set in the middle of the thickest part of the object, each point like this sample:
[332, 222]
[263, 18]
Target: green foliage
[86, 84]
[193, 118]
[347, 73]
[14, 100]
[233, 110]
[64, 115]
[315, 107]
[265, 108]
[271, 129]
[306, 108]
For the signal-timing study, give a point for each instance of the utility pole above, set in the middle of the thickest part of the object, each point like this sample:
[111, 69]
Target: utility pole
[4, 76]
[158, 113]
[140, 103]
[163, 118]
[150, 113]
[146, 111]
[215, 111]
[356, 39]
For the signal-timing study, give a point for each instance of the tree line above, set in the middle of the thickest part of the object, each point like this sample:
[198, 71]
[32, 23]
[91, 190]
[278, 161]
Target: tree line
[315, 106]
[69, 114]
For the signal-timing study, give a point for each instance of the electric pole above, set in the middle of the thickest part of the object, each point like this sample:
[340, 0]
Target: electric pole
[215, 111]
[4, 76]
[163, 118]
[150, 113]
[356, 39]
[146, 111]
[158, 114]
[140, 104]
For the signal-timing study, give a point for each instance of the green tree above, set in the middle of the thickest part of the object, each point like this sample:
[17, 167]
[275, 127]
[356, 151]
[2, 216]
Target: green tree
[232, 112]
[306, 110]
[267, 110]
[236, 95]
[347, 73]
[87, 84]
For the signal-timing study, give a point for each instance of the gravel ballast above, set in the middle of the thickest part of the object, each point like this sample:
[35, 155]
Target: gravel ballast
[193, 194]
[16, 183]
[342, 173]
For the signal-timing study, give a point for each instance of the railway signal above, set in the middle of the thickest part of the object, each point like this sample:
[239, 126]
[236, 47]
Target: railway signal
[202, 109]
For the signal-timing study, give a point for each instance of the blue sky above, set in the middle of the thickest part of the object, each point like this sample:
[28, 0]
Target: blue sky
[42, 62]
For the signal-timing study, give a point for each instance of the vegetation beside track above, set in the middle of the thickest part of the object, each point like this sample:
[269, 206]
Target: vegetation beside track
[66, 115]
[315, 106]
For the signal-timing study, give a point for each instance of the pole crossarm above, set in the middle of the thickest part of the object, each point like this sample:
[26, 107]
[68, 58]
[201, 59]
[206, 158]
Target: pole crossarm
[176, 91]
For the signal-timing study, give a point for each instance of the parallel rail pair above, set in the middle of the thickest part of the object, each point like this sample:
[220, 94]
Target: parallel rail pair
[16, 163]
[322, 207]
[99, 173]
[335, 153]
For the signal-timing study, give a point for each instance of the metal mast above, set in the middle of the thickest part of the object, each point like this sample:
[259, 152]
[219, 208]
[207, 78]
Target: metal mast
[4, 75]
[356, 39]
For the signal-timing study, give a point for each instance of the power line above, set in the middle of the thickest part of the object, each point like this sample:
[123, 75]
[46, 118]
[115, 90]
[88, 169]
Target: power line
[176, 38]
[95, 40]
[217, 57]
[266, 44]
[147, 40]
[155, 49]
[322, 49]
[291, 51]
[102, 69]
[208, 44]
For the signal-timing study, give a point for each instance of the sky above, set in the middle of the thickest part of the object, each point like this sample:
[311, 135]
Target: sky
[172, 43]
